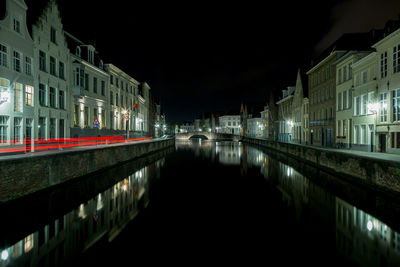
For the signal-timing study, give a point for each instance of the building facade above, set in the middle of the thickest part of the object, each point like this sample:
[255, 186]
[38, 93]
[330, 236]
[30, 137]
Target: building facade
[344, 97]
[229, 124]
[364, 94]
[255, 126]
[53, 77]
[298, 110]
[89, 83]
[322, 82]
[121, 99]
[285, 115]
[387, 62]
[17, 86]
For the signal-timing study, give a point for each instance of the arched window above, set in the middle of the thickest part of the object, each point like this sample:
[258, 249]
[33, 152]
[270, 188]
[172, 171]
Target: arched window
[78, 51]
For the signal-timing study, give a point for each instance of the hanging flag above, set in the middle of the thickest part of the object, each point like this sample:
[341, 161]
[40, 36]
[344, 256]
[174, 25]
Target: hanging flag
[136, 105]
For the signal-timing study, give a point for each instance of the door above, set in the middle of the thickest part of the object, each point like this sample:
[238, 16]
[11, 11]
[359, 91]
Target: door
[382, 143]
[61, 128]
[28, 135]
[311, 138]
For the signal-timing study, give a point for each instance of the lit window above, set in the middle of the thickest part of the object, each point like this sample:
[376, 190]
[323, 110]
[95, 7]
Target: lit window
[28, 95]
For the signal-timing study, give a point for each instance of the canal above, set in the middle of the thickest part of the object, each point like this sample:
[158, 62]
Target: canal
[203, 202]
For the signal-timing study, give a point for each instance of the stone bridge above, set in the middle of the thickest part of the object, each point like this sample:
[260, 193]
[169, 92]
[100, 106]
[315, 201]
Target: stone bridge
[207, 135]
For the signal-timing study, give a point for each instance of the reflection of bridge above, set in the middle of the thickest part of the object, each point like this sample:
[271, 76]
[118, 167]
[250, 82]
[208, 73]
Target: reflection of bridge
[207, 135]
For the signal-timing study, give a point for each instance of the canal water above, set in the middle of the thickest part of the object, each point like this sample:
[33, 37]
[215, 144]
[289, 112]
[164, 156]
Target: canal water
[203, 202]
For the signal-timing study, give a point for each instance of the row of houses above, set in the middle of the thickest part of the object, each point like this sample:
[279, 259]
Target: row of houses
[53, 85]
[349, 98]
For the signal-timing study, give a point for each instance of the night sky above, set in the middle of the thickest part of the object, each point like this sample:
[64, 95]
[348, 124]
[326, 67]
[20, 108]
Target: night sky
[199, 56]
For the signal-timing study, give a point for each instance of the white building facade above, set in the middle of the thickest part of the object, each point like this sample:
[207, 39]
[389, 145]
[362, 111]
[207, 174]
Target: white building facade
[89, 83]
[17, 87]
[229, 124]
[52, 77]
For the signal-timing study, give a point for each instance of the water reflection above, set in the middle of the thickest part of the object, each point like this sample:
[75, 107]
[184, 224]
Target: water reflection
[358, 235]
[103, 216]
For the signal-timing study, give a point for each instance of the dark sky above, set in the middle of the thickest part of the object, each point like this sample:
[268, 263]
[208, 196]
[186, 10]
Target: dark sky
[200, 56]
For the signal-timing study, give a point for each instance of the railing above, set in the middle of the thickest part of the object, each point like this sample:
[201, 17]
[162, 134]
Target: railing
[321, 122]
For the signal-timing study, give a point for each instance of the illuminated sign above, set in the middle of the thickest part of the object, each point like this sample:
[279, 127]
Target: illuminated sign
[4, 91]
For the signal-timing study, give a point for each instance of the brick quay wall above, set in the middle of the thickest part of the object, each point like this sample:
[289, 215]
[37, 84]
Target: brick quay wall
[373, 172]
[32, 172]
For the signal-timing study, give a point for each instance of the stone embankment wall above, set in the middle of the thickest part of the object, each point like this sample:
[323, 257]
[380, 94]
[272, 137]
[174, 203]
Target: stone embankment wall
[31, 172]
[375, 173]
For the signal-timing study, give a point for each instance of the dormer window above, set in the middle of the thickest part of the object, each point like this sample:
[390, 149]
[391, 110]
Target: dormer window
[78, 51]
[17, 25]
[90, 56]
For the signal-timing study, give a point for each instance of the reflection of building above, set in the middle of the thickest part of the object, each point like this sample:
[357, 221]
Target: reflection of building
[365, 239]
[103, 216]
[229, 152]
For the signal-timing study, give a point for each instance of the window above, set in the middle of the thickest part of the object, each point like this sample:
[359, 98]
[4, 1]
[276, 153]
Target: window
[52, 66]
[86, 117]
[28, 66]
[339, 130]
[42, 128]
[350, 71]
[364, 99]
[18, 97]
[78, 51]
[344, 128]
[364, 139]
[111, 79]
[111, 98]
[396, 105]
[103, 88]
[28, 95]
[86, 81]
[3, 129]
[345, 73]
[116, 99]
[3, 56]
[61, 71]
[383, 107]
[357, 134]
[53, 35]
[76, 115]
[357, 105]
[17, 129]
[42, 61]
[363, 77]
[42, 94]
[95, 114]
[17, 25]
[344, 99]
[383, 65]
[339, 107]
[61, 100]
[371, 100]
[17, 61]
[52, 128]
[340, 76]
[396, 58]
[52, 97]
[94, 84]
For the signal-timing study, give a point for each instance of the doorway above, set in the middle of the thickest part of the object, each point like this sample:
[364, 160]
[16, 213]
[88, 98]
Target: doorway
[382, 143]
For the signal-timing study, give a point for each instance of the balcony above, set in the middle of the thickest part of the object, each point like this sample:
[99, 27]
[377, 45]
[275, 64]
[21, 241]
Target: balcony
[322, 122]
[78, 91]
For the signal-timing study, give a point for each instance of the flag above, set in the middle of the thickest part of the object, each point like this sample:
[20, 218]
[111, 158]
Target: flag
[136, 105]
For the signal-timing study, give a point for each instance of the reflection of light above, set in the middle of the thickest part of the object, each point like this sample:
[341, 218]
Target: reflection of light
[124, 187]
[4, 255]
[81, 212]
[99, 203]
[370, 226]
[289, 171]
[28, 243]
